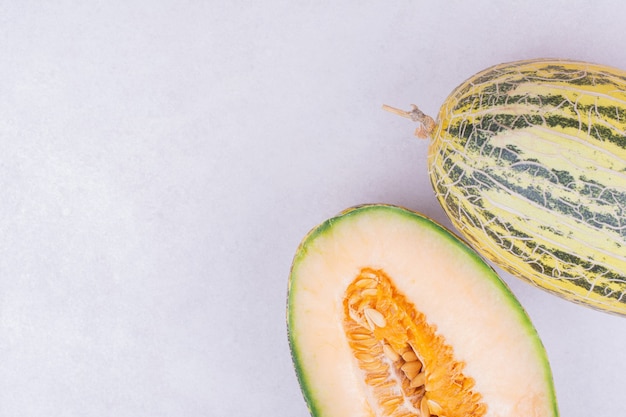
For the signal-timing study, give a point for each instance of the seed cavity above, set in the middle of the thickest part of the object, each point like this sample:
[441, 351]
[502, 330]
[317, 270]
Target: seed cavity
[408, 369]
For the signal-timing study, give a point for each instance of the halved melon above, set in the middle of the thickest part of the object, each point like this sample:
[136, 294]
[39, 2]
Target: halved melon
[390, 314]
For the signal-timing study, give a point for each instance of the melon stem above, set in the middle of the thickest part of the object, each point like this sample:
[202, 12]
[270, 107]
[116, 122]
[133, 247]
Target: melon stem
[427, 124]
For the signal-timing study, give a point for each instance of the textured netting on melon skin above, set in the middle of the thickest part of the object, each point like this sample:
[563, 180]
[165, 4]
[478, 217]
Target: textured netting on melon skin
[408, 369]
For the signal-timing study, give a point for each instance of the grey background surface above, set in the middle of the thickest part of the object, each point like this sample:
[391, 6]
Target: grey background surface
[161, 160]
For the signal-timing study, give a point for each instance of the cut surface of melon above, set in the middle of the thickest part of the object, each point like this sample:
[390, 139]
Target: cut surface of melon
[390, 314]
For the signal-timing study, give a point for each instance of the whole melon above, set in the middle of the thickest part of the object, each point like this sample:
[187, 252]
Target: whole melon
[528, 160]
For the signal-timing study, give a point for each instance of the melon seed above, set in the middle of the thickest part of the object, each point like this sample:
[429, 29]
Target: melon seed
[365, 356]
[424, 410]
[366, 282]
[375, 316]
[390, 353]
[411, 369]
[409, 356]
[365, 274]
[358, 335]
[370, 292]
[391, 404]
[419, 380]
[376, 378]
[434, 407]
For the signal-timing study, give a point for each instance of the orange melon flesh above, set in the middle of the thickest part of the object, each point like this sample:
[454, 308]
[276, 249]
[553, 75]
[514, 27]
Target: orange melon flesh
[378, 282]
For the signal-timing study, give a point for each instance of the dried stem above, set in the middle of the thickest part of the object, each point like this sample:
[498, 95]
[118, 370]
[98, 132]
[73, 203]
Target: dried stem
[427, 124]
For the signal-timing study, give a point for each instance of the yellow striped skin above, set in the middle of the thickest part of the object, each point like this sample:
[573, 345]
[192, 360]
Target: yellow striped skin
[528, 159]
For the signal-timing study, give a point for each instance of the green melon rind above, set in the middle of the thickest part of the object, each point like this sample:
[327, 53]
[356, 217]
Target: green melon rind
[446, 234]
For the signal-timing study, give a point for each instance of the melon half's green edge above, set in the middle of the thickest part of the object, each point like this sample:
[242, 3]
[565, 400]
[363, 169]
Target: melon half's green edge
[445, 234]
